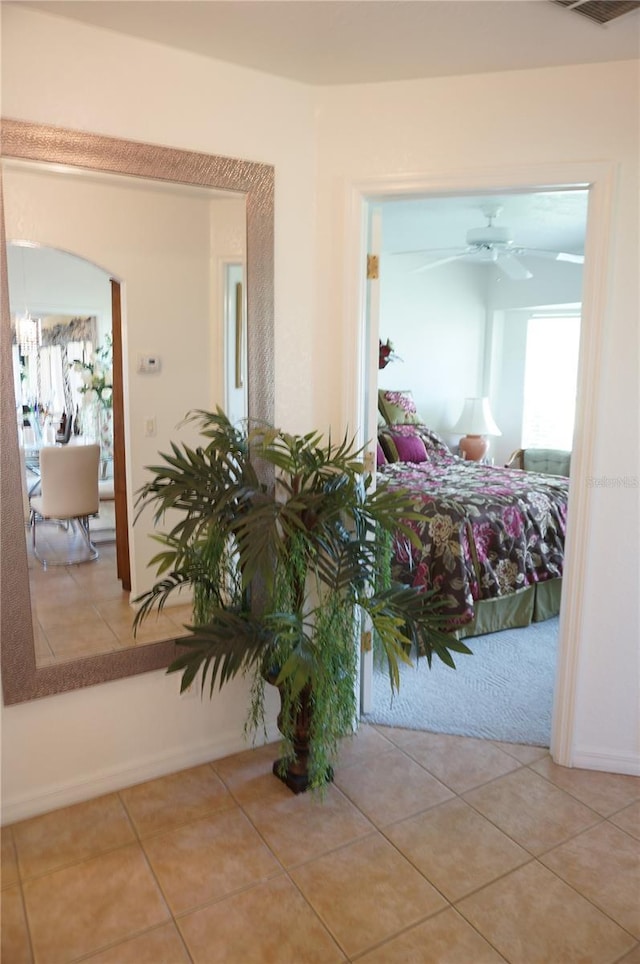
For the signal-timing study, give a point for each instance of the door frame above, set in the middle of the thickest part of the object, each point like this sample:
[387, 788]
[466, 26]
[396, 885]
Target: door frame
[598, 178]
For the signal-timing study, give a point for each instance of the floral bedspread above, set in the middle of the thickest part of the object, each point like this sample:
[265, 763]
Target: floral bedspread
[485, 531]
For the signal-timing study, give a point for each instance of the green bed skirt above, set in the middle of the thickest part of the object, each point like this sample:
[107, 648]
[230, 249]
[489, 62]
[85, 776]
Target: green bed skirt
[530, 605]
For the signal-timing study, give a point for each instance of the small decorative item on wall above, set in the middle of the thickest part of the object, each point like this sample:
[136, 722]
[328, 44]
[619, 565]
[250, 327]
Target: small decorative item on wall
[386, 353]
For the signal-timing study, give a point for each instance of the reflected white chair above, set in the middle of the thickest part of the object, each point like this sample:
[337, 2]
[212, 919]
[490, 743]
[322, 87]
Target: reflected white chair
[69, 486]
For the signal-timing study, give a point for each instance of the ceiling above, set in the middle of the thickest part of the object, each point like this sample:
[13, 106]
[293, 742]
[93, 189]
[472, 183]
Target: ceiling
[550, 220]
[359, 41]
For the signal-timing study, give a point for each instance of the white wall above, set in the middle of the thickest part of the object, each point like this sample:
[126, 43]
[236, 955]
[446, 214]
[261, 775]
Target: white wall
[456, 129]
[436, 321]
[133, 728]
[69, 747]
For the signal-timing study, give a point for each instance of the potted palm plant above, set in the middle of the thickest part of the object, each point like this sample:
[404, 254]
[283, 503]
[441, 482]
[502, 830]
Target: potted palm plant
[286, 549]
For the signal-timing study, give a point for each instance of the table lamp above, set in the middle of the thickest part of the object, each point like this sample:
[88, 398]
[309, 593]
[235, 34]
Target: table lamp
[475, 424]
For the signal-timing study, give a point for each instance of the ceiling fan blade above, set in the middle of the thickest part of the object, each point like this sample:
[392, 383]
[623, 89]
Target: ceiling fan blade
[553, 255]
[436, 264]
[571, 258]
[514, 269]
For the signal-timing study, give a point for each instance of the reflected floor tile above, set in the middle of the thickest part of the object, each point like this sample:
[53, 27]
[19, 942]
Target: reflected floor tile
[93, 904]
[456, 848]
[446, 938]
[298, 828]
[171, 801]
[87, 639]
[390, 786]
[71, 834]
[532, 917]
[366, 892]
[531, 810]
[604, 792]
[208, 859]
[15, 947]
[113, 610]
[163, 945]
[151, 630]
[603, 863]
[268, 923]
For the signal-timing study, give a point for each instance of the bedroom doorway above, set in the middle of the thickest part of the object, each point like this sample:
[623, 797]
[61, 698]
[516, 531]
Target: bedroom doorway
[593, 179]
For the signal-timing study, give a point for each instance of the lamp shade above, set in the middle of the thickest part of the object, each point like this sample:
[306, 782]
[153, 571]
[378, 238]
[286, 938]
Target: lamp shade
[476, 419]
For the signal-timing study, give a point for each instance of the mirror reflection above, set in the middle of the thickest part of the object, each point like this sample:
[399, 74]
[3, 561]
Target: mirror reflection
[180, 322]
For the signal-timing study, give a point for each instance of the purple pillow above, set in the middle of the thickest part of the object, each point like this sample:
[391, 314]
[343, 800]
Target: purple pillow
[410, 448]
[381, 458]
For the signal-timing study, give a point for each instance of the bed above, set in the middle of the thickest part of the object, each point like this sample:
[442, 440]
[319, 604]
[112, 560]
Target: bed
[491, 538]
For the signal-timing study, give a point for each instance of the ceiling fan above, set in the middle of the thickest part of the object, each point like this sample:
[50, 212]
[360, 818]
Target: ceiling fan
[493, 243]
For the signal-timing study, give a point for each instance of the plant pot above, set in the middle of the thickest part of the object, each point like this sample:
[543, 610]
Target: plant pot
[295, 773]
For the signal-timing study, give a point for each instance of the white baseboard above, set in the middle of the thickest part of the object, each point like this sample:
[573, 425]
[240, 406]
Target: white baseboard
[113, 779]
[609, 762]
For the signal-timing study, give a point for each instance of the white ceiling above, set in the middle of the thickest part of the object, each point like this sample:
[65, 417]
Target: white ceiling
[359, 41]
[551, 220]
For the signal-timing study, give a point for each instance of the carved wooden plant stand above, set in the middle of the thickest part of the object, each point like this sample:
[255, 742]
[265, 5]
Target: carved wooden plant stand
[296, 773]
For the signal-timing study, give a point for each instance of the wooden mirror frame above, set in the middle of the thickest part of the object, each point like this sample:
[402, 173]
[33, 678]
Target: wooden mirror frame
[22, 680]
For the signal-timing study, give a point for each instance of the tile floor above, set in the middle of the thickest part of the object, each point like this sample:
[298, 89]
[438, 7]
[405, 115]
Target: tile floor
[66, 599]
[427, 848]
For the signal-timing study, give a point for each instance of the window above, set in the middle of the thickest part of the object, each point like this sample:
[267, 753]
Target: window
[550, 381]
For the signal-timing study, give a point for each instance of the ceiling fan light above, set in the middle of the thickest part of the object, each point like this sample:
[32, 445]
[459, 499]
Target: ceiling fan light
[490, 234]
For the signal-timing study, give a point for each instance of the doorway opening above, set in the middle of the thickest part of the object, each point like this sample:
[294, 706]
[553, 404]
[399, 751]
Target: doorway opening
[468, 347]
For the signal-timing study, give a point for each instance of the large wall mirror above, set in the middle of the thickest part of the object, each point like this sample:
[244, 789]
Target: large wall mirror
[114, 253]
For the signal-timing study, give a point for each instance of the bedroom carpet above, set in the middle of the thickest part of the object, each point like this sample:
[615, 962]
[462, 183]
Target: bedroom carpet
[503, 692]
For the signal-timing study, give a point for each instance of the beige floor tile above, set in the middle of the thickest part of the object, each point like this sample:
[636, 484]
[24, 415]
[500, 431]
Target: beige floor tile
[444, 939]
[163, 945]
[41, 644]
[8, 861]
[71, 834]
[628, 819]
[633, 957]
[456, 848]
[152, 630]
[397, 734]
[114, 610]
[532, 811]
[181, 615]
[249, 775]
[299, 828]
[172, 801]
[603, 864]
[366, 892]
[15, 947]
[90, 638]
[267, 924]
[604, 792]
[524, 754]
[364, 744]
[458, 762]
[532, 917]
[209, 859]
[55, 616]
[390, 786]
[93, 904]
[102, 590]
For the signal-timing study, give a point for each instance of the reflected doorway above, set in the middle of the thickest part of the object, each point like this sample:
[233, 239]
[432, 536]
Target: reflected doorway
[68, 386]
